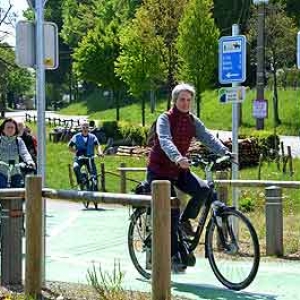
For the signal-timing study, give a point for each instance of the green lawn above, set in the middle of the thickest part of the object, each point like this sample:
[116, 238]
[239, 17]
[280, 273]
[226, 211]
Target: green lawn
[58, 158]
[214, 114]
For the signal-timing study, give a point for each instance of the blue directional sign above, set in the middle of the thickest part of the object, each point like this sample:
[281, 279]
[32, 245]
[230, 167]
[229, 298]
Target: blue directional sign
[232, 59]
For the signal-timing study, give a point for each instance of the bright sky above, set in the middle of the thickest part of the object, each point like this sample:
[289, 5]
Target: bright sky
[18, 7]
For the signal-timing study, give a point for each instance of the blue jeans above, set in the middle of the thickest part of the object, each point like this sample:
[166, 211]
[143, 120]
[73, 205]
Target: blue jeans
[192, 185]
[78, 164]
[15, 182]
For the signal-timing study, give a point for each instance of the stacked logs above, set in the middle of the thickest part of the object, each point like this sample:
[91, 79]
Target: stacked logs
[248, 151]
[132, 151]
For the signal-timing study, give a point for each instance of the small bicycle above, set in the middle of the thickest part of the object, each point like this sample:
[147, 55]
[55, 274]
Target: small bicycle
[89, 182]
[23, 168]
[231, 244]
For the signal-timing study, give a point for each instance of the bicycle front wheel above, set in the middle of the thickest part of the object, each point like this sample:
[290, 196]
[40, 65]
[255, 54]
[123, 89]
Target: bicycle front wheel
[232, 249]
[94, 188]
[139, 242]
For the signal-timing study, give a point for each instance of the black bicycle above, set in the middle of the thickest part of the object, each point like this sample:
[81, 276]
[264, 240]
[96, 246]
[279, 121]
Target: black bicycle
[89, 182]
[23, 169]
[231, 244]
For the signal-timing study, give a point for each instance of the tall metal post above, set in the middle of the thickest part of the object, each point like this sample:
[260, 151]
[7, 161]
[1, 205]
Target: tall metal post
[40, 105]
[260, 73]
[235, 133]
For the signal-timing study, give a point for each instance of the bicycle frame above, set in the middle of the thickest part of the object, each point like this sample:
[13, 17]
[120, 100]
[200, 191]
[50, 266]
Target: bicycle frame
[10, 167]
[213, 205]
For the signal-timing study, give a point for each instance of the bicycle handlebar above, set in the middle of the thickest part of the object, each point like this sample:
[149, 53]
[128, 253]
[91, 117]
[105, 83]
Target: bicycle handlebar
[82, 157]
[21, 165]
[211, 160]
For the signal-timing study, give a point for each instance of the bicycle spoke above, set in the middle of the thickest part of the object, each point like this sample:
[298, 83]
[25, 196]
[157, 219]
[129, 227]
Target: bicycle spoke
[235, 261]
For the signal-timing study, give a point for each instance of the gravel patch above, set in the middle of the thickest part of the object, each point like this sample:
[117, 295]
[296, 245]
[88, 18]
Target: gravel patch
[75, 291]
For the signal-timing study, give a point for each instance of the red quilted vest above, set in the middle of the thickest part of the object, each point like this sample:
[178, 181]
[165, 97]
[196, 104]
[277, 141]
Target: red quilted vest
[182, 130]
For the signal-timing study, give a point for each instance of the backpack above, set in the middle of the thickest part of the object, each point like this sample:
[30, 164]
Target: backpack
[152, 132]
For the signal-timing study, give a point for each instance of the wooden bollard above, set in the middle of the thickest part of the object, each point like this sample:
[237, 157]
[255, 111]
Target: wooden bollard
[274, 221]
[161, 244]
[12, 219]
[34, 237]
[123, 187]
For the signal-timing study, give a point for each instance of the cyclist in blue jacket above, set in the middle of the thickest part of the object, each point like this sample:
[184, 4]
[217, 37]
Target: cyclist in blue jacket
[84, 144]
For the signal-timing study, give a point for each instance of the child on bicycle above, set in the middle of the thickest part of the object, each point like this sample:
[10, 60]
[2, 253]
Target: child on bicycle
[12, 148]
[84, 144]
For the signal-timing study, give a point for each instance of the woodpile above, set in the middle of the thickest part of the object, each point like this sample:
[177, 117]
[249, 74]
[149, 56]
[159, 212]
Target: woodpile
[248, 151]
[132, 151]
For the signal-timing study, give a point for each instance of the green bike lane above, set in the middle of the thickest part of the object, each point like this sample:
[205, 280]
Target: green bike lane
[77, 239]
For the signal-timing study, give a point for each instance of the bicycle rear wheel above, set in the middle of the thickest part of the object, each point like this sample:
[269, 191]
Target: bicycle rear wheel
[139, 241]
[234, 261]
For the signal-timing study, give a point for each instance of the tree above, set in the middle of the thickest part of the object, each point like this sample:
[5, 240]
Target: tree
[197, 46]
[7, 18]
[13, 80]
[164, 17]
[62, 76]
[280, 35]
[229, 12]
[78, 17]
[139, 64]
[95, 56]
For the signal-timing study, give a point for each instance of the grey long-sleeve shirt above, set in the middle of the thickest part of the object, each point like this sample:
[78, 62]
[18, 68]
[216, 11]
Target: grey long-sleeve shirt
[202, 134]
[10, 150]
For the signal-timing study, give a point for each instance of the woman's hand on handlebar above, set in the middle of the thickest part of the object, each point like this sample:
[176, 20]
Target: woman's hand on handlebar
[183, 163]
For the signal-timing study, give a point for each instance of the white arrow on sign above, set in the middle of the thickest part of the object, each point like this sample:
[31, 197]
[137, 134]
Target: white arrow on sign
[229, 75]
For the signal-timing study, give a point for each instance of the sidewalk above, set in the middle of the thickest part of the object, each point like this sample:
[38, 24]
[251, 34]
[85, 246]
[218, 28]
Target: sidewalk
[77, 239]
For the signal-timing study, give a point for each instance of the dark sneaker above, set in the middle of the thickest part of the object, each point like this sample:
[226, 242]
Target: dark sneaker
[187, 228]
[177, 267]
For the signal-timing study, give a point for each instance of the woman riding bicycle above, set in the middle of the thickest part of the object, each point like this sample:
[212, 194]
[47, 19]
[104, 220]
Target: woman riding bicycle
[12, 148]
[175, 130]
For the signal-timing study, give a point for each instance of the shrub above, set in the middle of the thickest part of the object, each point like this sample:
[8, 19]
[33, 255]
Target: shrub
[246, 204]
[123, 130]
[104, 283]
[111, 129]
[135, 133]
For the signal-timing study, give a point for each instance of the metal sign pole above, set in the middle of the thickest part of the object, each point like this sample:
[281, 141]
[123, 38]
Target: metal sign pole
[40, 101]
[235, 132]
